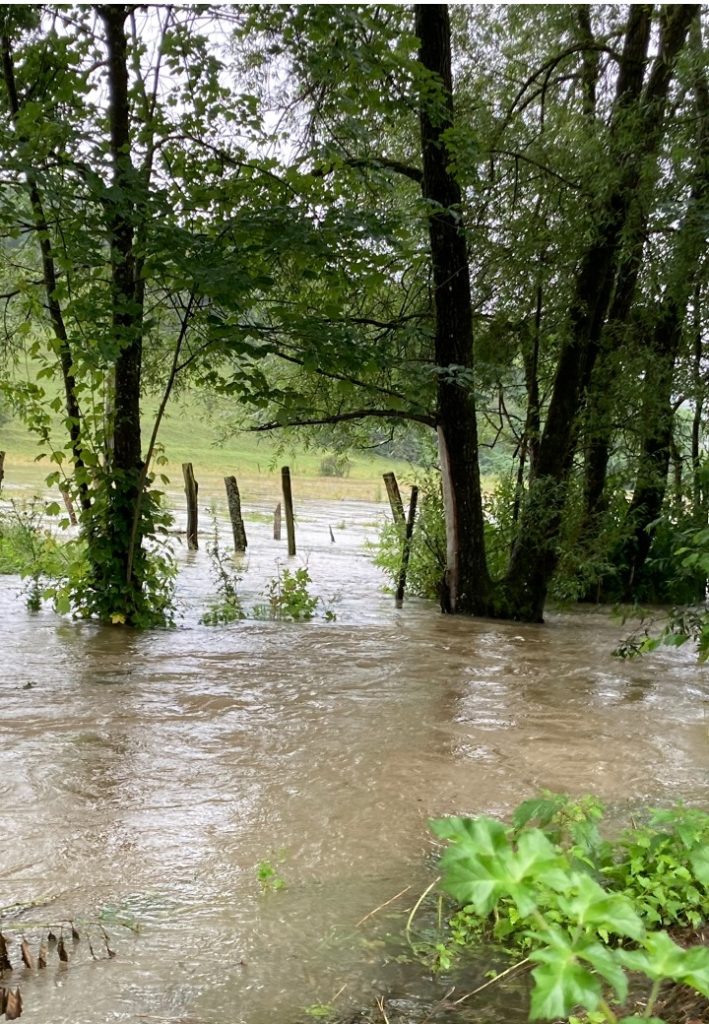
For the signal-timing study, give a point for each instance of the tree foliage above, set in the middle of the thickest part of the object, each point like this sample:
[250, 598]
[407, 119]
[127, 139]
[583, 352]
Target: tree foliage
[488, 224]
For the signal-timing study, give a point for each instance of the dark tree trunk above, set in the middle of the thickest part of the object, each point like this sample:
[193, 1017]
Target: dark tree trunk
[126, 464]
[591, 64]
[534, 555]
[654, 459]
[658, 409]
[468, 582]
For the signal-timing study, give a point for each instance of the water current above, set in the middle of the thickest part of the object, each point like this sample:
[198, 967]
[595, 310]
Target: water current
[145, 777]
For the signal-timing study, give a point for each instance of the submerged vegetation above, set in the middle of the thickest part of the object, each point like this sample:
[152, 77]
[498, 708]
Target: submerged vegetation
[587, 911]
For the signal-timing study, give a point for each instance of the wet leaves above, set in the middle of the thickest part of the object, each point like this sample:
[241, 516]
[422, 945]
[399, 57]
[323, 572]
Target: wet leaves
[27, 958]
[10, 1003]
[53, 939]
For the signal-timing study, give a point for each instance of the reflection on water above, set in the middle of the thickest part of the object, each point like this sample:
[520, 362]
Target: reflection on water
[149, 775]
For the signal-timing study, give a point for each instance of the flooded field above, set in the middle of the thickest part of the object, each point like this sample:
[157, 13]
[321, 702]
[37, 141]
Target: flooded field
[148, 779]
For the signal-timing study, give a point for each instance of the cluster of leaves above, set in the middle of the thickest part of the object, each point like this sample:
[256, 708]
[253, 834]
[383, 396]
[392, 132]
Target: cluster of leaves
[73, 575]
[427, 551]
[28, 548]
[98, 588]
[226, 606]
[269, 877]
[288, 598]
[683, 625]
[690, 558]
[573, 901]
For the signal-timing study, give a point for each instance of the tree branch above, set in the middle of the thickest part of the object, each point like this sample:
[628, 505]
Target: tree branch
[375, 164]
[342, 417]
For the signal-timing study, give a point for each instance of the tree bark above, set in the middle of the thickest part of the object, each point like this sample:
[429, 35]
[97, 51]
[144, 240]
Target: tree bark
[534, 555]
[126, 465]
[468, 581]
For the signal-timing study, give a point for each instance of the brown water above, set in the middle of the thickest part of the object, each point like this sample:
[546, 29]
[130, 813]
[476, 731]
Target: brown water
[151, 774]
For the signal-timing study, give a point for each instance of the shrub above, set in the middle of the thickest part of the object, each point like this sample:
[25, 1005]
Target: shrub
[226, 606]
[32, 551]
[427, 557]
[575, 902]
[335, 465]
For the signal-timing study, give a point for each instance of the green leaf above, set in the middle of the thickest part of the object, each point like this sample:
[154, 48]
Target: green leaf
[483, 835]
[560, 986]
[699, 859]
[663, 959]
[592, 905]
[604, 960]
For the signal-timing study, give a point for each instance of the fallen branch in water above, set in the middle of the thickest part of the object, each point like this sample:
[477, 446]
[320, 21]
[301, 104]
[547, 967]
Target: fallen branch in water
[492, 981]
[416, 906]
[381, 907]
[380, 1004]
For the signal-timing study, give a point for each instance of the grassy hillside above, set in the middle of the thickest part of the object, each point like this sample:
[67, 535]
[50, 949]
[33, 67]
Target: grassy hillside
[193, 431]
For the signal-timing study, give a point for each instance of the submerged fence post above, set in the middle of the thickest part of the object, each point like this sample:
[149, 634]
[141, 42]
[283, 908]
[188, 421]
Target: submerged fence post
[237, 523]
[397, 505]
[277, 522]
[399, 602]
[191, 489]
[288, 508]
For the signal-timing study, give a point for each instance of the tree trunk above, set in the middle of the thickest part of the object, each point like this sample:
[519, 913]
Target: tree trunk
[124, 476]
[468, 582]
[534, 555]
[699, 502]
[658, 410]
[49, 278]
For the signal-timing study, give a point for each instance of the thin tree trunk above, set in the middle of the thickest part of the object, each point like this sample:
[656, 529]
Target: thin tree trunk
[49, 276]
[699, 508]
[663, 350]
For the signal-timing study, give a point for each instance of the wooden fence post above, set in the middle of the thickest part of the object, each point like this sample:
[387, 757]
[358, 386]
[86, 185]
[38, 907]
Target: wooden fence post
[288, 509]
[407, 548]
[397, 505]
[2, 467]
[237, 523]
[277, 522]
[191, 489]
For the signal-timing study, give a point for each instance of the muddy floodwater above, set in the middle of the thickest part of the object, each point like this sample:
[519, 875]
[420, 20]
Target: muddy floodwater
[144, 779]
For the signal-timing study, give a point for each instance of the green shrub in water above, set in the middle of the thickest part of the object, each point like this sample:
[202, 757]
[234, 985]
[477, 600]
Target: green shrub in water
[288, 597]
[585, 910]
[32, 551]
[427, 556]
[226, 606]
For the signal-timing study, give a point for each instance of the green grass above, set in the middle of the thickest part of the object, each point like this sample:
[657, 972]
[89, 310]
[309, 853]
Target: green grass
[192, 431]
